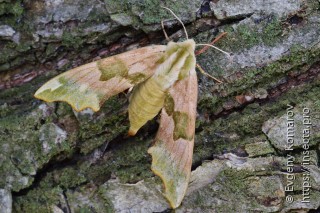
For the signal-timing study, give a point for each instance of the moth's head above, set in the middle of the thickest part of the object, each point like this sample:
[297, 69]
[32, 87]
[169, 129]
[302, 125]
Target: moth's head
[188, 45]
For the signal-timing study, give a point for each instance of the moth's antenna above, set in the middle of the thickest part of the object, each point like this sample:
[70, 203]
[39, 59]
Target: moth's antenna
[209, 45]
[164, 31]
[212, 42]
[184, 28]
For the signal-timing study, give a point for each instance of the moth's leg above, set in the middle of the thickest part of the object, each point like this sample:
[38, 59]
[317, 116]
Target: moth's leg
[214, 41]
[205, 49]
[130, 89]
[164, 31]
[207, 74]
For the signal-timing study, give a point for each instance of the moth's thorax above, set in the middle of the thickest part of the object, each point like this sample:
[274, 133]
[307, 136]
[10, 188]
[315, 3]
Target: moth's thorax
[176, 63]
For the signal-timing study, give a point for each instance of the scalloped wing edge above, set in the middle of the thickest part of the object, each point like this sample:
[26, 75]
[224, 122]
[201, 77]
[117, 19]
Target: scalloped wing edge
[90, 85]
[172, 151]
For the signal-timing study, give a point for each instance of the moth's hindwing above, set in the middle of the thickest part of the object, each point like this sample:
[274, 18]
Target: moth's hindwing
[173, 148]
[90, 85]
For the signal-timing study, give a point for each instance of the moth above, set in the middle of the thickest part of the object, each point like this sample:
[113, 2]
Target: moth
[164, 79]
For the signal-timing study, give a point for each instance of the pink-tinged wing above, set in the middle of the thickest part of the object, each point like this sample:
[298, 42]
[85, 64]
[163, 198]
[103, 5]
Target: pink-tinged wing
[90, 85]
[173, 148]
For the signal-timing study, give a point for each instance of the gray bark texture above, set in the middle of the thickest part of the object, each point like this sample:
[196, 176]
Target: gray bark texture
[257, 134]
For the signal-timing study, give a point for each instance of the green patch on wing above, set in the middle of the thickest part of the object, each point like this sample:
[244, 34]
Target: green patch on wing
[174, 178]
[112, 69]
[181, 123]
[136, 78]
[79, 96]
[169, 104]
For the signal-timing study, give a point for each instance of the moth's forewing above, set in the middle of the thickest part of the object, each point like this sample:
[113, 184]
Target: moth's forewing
[173, 148]
[90, 85]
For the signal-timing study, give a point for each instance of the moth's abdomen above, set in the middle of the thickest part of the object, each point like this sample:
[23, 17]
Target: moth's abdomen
[145, 103]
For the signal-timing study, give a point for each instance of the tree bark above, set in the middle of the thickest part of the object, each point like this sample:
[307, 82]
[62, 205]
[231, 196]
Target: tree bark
[55, 159]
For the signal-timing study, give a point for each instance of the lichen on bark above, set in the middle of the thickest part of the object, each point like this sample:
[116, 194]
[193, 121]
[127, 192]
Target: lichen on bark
[52, 158]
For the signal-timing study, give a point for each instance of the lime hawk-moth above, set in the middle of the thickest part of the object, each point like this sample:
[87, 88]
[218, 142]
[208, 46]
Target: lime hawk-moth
[164, 79]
